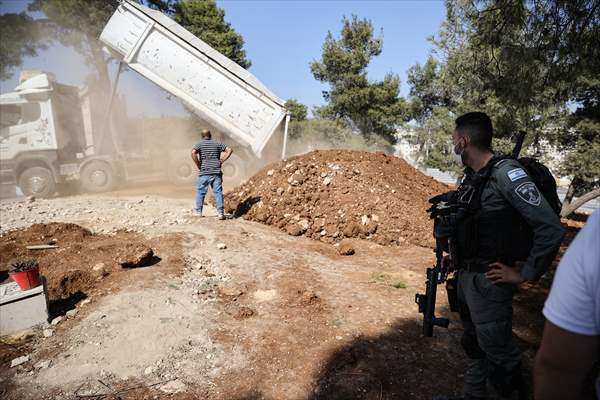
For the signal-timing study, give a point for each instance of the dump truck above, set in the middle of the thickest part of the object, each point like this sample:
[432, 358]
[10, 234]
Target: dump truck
[45, 145]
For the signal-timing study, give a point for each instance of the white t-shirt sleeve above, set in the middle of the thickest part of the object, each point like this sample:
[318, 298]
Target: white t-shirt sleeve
[574, 300]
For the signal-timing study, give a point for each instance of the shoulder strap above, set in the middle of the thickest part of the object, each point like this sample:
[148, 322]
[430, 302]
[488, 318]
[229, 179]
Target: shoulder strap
[483, 177]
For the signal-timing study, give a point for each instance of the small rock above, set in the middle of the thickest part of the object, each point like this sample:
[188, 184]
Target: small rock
[345, 248]
[231, 290]
[327, 181]
[351, 230]
[57, 320]
[43, 364]
[221, 246]
[31, 199]
[18, 361]
[84, 302]
[149, 370]
[176, 386]
[140, 201]
[370, 228]
[101, 269]
[48, 333]
[375, 218]
[270, 172]
[293, 229]
[142, 257]
[304, 224]
[265, 295]
[71, 313]
[243, 313]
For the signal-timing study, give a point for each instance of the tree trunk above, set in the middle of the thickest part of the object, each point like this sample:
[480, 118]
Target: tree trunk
[100, 64]
[570, 207]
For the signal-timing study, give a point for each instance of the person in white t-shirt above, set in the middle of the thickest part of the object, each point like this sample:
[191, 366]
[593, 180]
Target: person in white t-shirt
[571, 342]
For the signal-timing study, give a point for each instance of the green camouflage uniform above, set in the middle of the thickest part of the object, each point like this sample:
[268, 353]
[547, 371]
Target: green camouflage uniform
[486, 308]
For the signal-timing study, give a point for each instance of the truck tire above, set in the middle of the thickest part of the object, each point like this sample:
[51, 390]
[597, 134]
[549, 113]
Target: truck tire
[234, 169]
[96, 177]
[182, 171]
[37, 181]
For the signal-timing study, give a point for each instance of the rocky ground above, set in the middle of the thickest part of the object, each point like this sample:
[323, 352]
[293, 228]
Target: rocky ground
[329, 195]
[228, 309]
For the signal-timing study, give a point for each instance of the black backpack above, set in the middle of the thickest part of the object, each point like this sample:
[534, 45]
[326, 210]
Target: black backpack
[543, 179]
[540, 175]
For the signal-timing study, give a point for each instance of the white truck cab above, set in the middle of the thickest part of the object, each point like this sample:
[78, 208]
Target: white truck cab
[30, 142]
[46, 138]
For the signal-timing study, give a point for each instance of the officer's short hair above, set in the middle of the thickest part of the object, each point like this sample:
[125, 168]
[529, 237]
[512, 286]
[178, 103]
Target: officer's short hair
[478, 126]
[206, 134]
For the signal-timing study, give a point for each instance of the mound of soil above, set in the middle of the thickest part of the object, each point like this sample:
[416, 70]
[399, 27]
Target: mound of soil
[81, 258]
[331, 194]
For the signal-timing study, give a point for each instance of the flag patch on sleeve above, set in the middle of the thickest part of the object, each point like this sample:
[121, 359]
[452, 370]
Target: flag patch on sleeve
[516, 174]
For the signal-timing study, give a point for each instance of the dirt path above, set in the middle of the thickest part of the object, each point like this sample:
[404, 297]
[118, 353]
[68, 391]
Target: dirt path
[270, 316]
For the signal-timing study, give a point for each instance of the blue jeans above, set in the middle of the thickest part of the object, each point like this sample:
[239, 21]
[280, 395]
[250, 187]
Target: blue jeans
[216, 183]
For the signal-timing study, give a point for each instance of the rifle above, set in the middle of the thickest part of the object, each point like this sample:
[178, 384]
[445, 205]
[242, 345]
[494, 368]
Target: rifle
[443, 214]
[426, 302]
[518, 144]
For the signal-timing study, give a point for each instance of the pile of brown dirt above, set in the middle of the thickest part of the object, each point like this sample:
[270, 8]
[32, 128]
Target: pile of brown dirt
[331, 194]
[80, 260]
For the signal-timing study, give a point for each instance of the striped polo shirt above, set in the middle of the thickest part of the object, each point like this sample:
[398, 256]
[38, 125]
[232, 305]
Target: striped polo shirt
[209, 152]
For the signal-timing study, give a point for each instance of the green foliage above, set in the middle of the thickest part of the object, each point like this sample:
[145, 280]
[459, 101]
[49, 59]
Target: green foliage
[207, 21]
[526, 64]
[78, 24]
[366, 106]
[20, 38]
[427, 88]
[399, 285]
[434, 135]
[298, 111]
[85, 16]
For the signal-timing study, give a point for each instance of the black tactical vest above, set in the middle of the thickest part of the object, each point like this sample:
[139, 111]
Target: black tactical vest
[488, 236]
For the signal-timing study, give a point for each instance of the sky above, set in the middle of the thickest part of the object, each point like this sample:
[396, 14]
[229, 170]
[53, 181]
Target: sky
[281, 38]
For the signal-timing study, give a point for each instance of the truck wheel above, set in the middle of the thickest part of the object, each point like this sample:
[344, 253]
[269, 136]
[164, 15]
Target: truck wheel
[234, 169]
[96, 177]
[37, 181]
[182, 172]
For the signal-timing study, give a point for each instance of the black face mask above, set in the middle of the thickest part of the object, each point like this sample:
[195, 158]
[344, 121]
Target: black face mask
[459, 154]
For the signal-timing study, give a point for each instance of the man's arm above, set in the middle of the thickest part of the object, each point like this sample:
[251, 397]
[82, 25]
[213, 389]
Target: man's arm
[196, 158]
[562, 363]
[522, 194]
[226, 154]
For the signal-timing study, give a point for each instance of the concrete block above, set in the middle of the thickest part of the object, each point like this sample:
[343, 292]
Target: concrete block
[22, 309]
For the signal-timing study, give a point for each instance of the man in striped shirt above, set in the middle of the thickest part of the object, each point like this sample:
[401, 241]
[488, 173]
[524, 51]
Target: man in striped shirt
[208, 156]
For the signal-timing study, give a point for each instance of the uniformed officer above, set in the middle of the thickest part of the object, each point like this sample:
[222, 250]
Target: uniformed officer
[509, 235]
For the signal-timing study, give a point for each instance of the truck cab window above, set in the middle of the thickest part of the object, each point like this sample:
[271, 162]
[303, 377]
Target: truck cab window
[10, 114]
[18, 114]
[30, 112]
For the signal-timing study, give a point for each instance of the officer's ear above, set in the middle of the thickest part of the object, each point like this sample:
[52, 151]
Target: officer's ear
[464, 141]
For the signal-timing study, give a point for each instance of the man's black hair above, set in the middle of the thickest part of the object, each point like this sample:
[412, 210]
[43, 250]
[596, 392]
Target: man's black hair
[478, 126]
